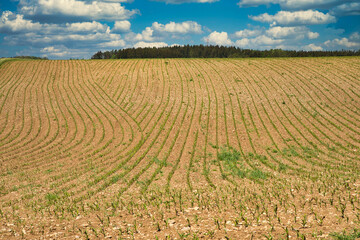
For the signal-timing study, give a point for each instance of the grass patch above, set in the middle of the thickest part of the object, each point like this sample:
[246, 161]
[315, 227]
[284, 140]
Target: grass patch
[114, 179]
[161, 163]
[290, 152]
[257, 174]
[310, 152]
[282, 167]
[51, 198]
[355, 234]
[231, 161]
[229, 155]
[4, 60]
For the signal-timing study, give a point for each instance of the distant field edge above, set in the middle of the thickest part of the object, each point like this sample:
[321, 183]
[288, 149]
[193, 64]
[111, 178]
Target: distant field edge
[5, 60]
[219, 58]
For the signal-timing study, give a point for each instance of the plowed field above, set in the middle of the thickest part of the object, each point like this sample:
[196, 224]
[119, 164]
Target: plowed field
[180, 148]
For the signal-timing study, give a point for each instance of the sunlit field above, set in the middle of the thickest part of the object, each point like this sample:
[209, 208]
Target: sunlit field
[180, 148]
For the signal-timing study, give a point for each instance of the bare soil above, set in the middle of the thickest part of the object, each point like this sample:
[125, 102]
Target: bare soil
[180, 148]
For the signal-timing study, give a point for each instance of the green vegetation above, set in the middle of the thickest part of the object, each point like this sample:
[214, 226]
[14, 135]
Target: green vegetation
[180, 148]
[201, 51]
[231, 160]
[4, 60]
[350, 235]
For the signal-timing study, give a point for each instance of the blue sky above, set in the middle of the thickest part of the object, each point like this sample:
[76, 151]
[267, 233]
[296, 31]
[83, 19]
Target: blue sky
[62, 29]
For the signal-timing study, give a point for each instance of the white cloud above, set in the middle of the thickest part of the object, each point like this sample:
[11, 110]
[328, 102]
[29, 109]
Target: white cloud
[113, 44]
[66, 39]
[255, 3]
[158, 31]
[145, 35]
[218, 38]
[96, 10]
[313, 35]
[91, 35]
[312, 47]
[49, 49]
[309, 17]
[63, 44]
[267, 41]
[275, 37]
[343, 43]
[295, 4]
[121, 26]
[346, 9]
[181, 28]
[150, 44]
[283, 32]
[176, 45]
[187, 1]
[117, 1]
[10, 22]
[243, 43]
[260, 42]
[291, 32]
[86, 27]
[58, 52]
[55, 51]
[355, 37]
[247, 33]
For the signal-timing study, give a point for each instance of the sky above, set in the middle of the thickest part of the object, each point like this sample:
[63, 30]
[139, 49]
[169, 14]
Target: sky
[63, 29]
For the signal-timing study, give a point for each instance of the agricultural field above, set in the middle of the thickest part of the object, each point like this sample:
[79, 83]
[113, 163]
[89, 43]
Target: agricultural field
[180, 149]
[3, 60]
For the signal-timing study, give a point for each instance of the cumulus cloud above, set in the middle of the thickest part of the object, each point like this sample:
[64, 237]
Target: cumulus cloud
[312, 35]
[312, 47]
[95, 10]
[346, 9]
[291, 32]
[243, 43]
[260, 42]
[283, 32]
[69, 40]
[218, 38]
[181, 28]
[186, 1]
[309, 17]
[113, 44]
[255, 3]
[265, 40]
[260, 38]
[247, 33]
[355, 37]
[159, 31]
[86, 27]
[10, 22]
[275, 37]
[145, 35]
[150, 44]
[295, 4]
[56, 52]
[351, 43]
[117, 1]
[121, 26]
[22, 32]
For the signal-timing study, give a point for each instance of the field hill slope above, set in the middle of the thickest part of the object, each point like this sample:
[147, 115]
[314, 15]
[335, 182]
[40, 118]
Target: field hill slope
[185, 148]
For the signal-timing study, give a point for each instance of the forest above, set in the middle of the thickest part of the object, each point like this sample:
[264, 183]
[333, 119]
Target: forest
[201, 51]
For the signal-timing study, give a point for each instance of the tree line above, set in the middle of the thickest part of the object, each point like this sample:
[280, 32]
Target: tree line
[201, 51]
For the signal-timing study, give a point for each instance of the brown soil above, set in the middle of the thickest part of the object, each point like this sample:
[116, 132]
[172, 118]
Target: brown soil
[175, 148]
